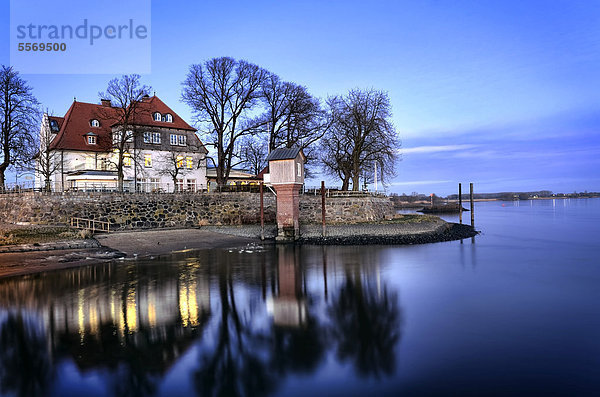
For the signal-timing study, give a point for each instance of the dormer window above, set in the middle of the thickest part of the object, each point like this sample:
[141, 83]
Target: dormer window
[91, 138]
[168, 118]
[54, 126]
[94, 123]
[157, 117]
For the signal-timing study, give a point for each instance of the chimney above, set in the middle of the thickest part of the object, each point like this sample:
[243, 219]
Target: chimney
[106, 102]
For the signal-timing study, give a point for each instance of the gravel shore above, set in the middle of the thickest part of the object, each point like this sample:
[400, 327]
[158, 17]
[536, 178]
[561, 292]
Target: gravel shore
[432, 231]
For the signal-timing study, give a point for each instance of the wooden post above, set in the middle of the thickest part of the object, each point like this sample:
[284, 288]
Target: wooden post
[460, 203]
[323, 206]
[262, 213]
[472, 207]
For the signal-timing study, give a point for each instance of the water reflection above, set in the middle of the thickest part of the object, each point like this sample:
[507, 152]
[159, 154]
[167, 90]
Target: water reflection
[248, 320]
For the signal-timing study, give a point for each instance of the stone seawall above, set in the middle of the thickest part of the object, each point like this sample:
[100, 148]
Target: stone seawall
[134, 211]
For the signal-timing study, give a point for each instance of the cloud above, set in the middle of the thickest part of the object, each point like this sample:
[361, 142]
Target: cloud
[411, 183]
[435, 149]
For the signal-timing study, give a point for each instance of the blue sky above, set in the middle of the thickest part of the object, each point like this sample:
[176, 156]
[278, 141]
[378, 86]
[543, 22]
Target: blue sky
[505, 94]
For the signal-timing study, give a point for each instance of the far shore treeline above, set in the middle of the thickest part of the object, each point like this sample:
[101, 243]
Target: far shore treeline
[242, 112]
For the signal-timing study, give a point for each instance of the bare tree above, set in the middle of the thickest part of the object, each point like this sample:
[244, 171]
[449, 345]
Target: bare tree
[126, 95]
[361, 136]
[176, 165]
[292, 116]
[19, 120]
[222, 93]
[47, 160]
[253, 154]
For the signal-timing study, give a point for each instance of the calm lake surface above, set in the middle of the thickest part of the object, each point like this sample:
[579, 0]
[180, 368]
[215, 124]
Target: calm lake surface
[514, 312]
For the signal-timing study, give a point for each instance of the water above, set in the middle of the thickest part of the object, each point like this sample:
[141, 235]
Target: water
[516, 312]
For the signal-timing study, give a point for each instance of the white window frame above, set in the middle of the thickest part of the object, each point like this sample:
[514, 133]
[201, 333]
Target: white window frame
[147, 137]
[182, 140]
[156, 138]
[94, 123]
[173, 139]
[91, 139]
[157, 116]
[169, 118]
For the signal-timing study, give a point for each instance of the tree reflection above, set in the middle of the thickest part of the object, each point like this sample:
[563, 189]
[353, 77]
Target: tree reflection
[366, 325]
[25, 366]
[235, 367]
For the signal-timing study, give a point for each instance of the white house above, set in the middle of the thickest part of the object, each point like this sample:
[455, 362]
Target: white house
[83, 156]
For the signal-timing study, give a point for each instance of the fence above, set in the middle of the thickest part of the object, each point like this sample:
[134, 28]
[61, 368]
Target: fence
[337, 192]
[90, 224]
[169, 188]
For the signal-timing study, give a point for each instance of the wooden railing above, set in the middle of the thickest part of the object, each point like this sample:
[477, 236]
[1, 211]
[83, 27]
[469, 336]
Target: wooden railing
[90, 224]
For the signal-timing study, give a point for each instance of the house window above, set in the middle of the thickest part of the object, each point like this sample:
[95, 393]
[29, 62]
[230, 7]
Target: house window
[168, 118]
[299, 169]
[117, 137]
[147, 137]
[191, 185]
[173, 139]
[182, 140]
[179, 161]
[94, 123]
[148, 160]
[54, 125]
[156, 137]
[91, 140]
[157, 117]
[189, 163]
[127, 160]
[179, 186]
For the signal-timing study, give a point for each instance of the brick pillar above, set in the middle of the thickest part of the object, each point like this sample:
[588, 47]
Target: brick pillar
[288, 211]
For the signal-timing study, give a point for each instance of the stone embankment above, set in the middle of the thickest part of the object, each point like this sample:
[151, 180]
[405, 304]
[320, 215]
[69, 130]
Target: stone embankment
[148, 211]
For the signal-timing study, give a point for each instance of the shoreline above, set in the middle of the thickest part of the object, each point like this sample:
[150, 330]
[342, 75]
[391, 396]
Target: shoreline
[151, 243]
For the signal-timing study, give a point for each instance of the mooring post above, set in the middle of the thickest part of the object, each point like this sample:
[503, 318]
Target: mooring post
[460, 203]
[262, 213]
[323, 206]
[472, 206]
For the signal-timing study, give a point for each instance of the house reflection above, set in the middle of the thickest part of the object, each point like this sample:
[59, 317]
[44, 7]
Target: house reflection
[102, 315]
[254, 318]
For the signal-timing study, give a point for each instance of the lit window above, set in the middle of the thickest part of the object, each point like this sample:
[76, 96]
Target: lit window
[173, 139]
[168, 118]
[95, 123]
[91, 140]
[157, 116]
[179, 161]
[156, 137]
[148, 160]
[147, 137]
[182, 140]
[127, 160]
[189, 163]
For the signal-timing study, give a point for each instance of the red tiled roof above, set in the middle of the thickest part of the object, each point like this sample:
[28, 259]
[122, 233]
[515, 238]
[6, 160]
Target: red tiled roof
[76, 124]
[151, 105]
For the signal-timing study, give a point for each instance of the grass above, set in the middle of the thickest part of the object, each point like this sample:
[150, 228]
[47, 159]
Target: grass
[14, 235]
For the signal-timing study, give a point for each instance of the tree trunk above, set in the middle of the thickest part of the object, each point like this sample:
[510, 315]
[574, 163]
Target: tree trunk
[1, 179]
[355, 182]
[345, 183]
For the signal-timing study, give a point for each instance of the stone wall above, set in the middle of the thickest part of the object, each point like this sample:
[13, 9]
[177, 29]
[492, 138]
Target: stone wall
[132, 211]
